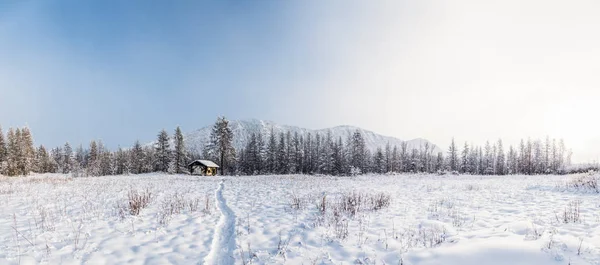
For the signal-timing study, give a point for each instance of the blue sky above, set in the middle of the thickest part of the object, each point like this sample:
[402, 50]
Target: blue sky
[122, 70]
[474, 70]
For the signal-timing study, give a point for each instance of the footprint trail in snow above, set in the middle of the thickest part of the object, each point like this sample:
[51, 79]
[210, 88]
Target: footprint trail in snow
[223, 243]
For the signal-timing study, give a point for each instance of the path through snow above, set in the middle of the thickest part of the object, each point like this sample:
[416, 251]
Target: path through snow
[223, 243]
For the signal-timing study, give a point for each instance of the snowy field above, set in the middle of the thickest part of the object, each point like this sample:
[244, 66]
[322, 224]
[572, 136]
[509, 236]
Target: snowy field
[402, 219]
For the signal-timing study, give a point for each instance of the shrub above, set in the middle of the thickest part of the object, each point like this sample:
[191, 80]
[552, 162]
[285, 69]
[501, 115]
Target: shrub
[587, 182]
[138, 200]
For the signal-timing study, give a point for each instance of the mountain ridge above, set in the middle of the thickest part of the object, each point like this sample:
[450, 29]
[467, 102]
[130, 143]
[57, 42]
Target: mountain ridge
[243, 129]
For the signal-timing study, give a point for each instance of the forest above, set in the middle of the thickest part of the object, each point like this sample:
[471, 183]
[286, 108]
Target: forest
[285, 153]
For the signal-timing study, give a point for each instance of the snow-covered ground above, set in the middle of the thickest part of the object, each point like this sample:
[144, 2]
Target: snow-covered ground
[401, 219]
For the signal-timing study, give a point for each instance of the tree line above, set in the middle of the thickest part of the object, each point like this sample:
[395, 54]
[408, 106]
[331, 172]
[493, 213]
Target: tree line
[283, 153]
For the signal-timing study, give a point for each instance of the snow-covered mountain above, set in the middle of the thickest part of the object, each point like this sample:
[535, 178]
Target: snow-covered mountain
[243, 129]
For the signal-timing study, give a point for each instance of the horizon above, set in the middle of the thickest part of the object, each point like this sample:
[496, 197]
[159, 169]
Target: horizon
[121, 71]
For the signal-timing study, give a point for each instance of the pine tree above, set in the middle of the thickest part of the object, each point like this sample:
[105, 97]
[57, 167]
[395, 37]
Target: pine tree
[452, 156]
[137, 158]
[179, 154]
[80, 157]
[500, 161]
[67, 160]
[357, 152]
[291, 153]
[221, 144]
[316, 154]
[388, 157]
[326, 155]
[439, 162]
[464, 165]
[297, 153]
[488, 159]
[258, 154]
[149, 159]
[379, 161]
[512, 161]
[271, 160]
[163, 152]
[44, 165]
[56, 158]
[93, 161]
[28, 150]
[106, 160]
[3, 152]
[122, 165]
[404, 162]
[306, 168]
[13, 152]
[395, 160]
[281, 155]
[338, 158]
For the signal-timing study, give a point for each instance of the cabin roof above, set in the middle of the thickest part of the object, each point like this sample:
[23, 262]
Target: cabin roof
[206, 163]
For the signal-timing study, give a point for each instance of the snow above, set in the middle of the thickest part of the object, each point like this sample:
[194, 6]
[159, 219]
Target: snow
[430, 219]
[223, 243]
[207, 163]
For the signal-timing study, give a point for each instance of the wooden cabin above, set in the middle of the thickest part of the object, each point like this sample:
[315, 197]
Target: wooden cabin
[203, 167]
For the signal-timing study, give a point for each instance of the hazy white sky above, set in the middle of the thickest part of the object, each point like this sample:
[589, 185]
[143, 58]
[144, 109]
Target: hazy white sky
[473, 70]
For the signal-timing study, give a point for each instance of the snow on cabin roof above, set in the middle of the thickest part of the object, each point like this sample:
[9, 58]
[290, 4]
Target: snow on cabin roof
[206, 163]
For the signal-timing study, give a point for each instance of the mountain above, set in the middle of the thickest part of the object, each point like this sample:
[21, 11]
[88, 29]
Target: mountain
[243, 129]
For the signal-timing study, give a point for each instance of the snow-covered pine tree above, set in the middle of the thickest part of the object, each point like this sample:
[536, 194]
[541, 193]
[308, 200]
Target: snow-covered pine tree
[404, 157]
[221, 145]
[452, 156]
[20, 158]
[249, 156]
[260, 154]
[488, 159]
[379, 161]
[307, 165]
[425, 157]
[271, 159]
[547, 151]
[512, 161]
[500, 159]
[554, 157]
[439, 162]
[326, 155]
[281, 155]
[44, 165]
[163, 152]
[106, 160]
[93, 160]
[67, 160]
[388, 157]
[481, 162]
[472, 160]
[80, 157]
[137, 158]
[3, 152]
[562, 156]
[13, 151]
[464, 161]
[291, 153]
[297, 150]
[357, 152]
[339, 159]
[316, 154]
[28, 150]
[179, 154]
[149, 159]
[122, 164]
[395, 159]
